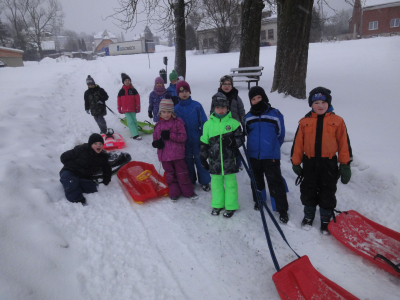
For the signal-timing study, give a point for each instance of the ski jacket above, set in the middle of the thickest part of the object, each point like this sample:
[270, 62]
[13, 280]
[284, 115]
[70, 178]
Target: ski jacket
[92, 96]
[236, 106]
[128, 100]
[172, 91]
[321, 136]
[194, 117]
[265, 134]
[174, 147]
[154, 103]
[84, 162]
[222, 160]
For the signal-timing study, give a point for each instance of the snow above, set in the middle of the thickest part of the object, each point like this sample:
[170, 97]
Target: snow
[369, 3]
[112, 249]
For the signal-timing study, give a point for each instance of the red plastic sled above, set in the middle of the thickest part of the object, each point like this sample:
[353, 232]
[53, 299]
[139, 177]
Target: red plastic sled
[113, 142]
[376, 243]
[299, 280]
[141, 188]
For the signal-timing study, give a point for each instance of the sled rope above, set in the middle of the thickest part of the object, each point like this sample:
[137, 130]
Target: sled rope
[113, 112]
[394, 266]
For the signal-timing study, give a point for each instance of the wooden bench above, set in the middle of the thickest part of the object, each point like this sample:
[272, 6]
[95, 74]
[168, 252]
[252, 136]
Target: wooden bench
[248, 74]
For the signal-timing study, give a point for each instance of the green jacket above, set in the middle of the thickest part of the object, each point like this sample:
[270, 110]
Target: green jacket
[222, 160]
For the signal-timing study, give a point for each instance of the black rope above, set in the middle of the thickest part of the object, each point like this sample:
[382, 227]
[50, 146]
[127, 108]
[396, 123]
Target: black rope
[394, 266]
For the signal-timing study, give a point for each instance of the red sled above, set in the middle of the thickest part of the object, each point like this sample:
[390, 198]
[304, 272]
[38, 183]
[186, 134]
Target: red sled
[376, 243]
[113, 141]
[299, 280]
[140, 182]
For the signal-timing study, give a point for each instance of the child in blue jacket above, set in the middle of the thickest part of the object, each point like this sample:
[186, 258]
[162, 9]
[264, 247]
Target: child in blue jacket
[173, 78]
[265, 130]
[192, 113]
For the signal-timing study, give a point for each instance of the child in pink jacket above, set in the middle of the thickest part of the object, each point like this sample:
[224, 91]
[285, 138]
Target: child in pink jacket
[169, 138]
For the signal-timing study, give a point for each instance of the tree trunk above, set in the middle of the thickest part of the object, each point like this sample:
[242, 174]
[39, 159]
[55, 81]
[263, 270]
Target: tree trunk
[180, 38]
[250, 34]
[294, 23]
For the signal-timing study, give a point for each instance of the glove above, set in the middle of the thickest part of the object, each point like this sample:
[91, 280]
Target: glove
[100, 102]
[297, 169]
[88, 112]
[205, 164]
[345, 173]
[150, 114]
[229, 142]
[106, 181]
[165, 134]
[159, 144]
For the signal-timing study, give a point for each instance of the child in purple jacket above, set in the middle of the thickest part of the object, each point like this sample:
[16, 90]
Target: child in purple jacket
[169, 138]
[159, 92]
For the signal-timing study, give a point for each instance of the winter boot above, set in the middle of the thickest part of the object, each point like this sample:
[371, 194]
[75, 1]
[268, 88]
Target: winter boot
[137, 137]
[174, 199]
[326, 215]
[216, 211]
[206, 187]
[228, 213]
[306, 224]
[256, 207]
[324, 228]
[283, 217]
[194, 197]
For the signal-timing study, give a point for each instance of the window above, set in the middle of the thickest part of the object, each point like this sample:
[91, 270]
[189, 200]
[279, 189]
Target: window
[211, 42]
[394, 22]
[270, 34]
[263, 35]
[373, 25]
[205, 43]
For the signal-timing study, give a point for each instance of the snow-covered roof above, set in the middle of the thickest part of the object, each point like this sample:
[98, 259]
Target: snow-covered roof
[271, 18]
[11, 49]
[105, 34]
[380, 3]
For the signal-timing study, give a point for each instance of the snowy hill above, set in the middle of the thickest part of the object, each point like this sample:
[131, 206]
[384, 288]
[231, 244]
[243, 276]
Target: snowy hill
[110, 249]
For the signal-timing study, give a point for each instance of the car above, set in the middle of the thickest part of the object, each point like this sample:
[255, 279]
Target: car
[264, 44]
[2, 65]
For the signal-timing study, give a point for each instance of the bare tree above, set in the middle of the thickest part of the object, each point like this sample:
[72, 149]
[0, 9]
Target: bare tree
[165, 14]
[16, 23]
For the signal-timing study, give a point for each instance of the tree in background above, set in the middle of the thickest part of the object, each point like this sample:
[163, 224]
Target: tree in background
[4, 35]
[294, 24]
[337, 24]
[122, 37]
[148, 35]
[170, 39]
[316, 26]
[191, 39]
[16, 24]
[72, 41]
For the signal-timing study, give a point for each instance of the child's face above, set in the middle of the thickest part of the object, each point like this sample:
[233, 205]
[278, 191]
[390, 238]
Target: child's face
[98, 147]
[226, 86]
[256, 99]
[166, 115]
[159, 84]
[221, 110]
[174, 81]
[91, 86]
[184, 95]
[320, 106]
[127, 82]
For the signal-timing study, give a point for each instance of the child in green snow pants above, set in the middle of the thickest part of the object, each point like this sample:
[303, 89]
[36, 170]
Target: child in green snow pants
[224, 197]
[132, 123]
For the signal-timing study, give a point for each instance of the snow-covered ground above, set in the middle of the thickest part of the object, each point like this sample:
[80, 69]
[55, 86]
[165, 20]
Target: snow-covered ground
[111, 249]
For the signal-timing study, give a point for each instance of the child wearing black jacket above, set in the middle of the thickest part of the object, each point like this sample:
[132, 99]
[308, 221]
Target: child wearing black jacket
[80, 164]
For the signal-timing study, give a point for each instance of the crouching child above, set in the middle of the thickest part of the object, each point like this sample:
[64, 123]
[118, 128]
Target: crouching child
[80, 165]
[222, 136]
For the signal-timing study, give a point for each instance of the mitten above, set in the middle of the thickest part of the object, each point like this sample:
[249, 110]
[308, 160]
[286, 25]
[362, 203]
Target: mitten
[165, 134]
[205, 164]
[150, 114]
[297, 169]
[229, 142]
[88, 112]
[345, 173]
[159, 144]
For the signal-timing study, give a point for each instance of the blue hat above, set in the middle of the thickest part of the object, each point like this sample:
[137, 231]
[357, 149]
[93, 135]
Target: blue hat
[320, 93]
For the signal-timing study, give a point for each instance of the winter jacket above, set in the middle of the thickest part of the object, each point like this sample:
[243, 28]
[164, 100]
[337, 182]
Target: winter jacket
[265, 134]
[154, 103]
[222, 160]
[128, 100]
[84, 162]
[92, 97]
[174, 147]
[172, 92]
[194, 117]
[321, 136]
[235, 105]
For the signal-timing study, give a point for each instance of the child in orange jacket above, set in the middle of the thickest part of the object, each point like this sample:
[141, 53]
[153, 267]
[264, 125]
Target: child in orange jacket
[320, 136]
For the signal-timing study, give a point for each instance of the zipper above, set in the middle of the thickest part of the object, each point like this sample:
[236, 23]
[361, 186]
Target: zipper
[259, 136]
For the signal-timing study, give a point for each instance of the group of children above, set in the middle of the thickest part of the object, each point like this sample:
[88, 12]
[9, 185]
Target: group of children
[190, 147]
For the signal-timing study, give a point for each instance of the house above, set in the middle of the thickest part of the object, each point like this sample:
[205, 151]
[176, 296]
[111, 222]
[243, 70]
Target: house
[103, 39]
[378, 18]
[11, 57]
[269, 28]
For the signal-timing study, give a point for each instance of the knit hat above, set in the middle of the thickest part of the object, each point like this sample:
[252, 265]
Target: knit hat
[159, 80]
[90, 80]
[95, 137]
[320, 93]
[225, 78]
[166, 105]
[258, 90]
[182, 86]
[219, 99]
[173, 75]
[124, 77]
[180, 78]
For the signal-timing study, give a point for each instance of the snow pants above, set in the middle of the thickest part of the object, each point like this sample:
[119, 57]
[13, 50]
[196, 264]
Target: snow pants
[178, 179]
[271, 168]
[75, 186]
[224, 197]
[132, 123]
[319, 184]
[202, 174]
[101, 122]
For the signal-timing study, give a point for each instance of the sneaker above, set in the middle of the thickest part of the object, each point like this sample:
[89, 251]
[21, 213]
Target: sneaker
[216, 211]
[194, 197]
[174, 199]
[228, 213]
[283, 218]
[206, 187]
[324, 228]
[137, 137]
[241, 168]
[256, 207]
[306, 224]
